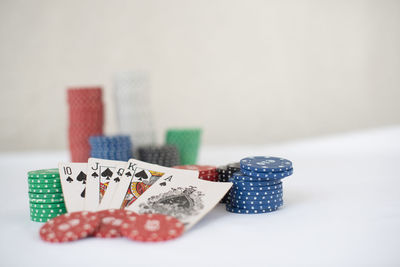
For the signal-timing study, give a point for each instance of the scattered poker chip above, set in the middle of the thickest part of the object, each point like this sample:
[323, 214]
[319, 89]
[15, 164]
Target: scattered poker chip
[265, 164]
[256, 188]
[46, 201]
[44, 186]
[45, 191]
[254, 197]
[47, 206]
[152, 228]
[70, 227]
[45, 196]
[273, 204]
[250, 211]
[44, 181]
[268, 175]
[111, 221]
[44, 174]
[255, 193]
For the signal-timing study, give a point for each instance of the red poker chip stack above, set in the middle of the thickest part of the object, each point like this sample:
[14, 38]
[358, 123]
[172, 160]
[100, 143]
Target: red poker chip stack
[206, 172]
[86, 118]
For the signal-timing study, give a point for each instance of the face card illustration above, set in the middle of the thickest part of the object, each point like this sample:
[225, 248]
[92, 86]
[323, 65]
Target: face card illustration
[139, 176]
[73, 182]
[112, 188]
[100, 172]
[186, 199]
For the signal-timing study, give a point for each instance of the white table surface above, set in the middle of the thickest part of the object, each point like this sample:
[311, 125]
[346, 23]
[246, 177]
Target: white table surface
[342, 208]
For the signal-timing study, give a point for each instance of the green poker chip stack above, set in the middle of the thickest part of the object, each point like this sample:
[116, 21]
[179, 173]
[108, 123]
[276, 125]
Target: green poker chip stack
[187, 141]
[46, 199]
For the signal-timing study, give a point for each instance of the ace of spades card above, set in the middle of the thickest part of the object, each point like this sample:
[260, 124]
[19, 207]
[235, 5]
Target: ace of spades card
[73, 182]
[139, 176]
[185, 198]
[112, 188]
[100, 172]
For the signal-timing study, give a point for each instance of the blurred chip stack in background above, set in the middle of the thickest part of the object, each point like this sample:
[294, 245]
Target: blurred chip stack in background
[225, 173]
[117, 147]
[164, 155]
[86, 118]
[206, 172]
[133, 107]
[187, 141]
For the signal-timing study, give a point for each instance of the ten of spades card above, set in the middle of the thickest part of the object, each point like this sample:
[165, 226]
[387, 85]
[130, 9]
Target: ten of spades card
[73, 182]
[99, 174]
[182, 197]
[112, 189]
[138, 177]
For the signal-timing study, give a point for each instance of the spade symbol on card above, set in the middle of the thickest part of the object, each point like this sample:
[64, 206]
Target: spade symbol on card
[83, 193]
[69, 179]
[128, 174]
[95, 175]
[107, 174]
[117, 179]
[81, 177]
[163, 183]
[142, 175]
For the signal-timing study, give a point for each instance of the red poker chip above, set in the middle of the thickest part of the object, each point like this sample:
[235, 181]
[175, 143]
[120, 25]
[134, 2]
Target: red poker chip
[111, 221]
[152, 228]
[69, 227]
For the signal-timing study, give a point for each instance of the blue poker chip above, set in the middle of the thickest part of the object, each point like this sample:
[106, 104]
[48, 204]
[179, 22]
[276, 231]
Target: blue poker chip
[235, 193]
[249, 211]
[239, 177]
[247, 187]
[273, 204]
[268, 176]
[254, 197]
[265, 164]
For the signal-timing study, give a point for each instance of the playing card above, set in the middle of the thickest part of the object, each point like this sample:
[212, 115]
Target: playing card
[138, 177]
[99, 173]
[112, 188]
[73, 183]
[188, 200]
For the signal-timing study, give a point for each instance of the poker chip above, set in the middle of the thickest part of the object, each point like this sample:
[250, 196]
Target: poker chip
[254, 197]
[254, 193]
[265, 164]
[47, 206]
[86, 118]
[133, 107]
[45, 194]
[257, 188]
[269, 200]
[268, 175]
[206, 172]
[164, 155]
[272, 205]
[70, 227]
[187, 141]
[117, 147]
[239, 182]
[45, 191]
[250, 211]
[111, 221]
[152, 228]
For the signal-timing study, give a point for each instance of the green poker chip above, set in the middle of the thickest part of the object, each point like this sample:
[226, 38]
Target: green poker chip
[40, 219]
[45, 196]
[44, 181]
[44, 186]
[45, 191]
[47, 211]
[187, 141]
[48, 206]
[43, 215]
[46, 201]
[44, 174]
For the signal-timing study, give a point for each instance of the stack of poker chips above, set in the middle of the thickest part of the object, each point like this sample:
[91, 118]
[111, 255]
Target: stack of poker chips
[206, 172]
[187, 141]
[257, 188]
[225, 173]
[117, 147]
[164, 155]
[46, 199]
[85, 119]
[134, 113]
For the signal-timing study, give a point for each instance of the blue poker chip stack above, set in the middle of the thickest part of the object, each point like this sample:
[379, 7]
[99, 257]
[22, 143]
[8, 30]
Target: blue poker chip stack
[117, 147]
[257, 187]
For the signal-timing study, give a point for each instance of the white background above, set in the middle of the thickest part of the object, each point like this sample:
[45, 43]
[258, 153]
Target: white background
[247, 72]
